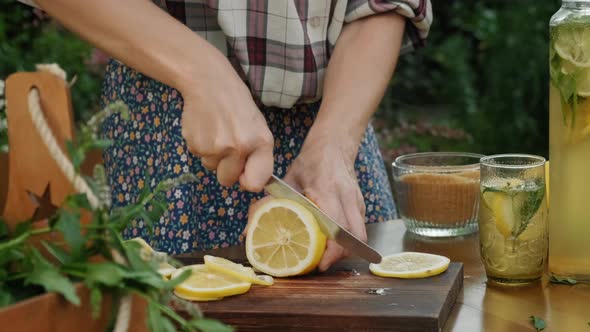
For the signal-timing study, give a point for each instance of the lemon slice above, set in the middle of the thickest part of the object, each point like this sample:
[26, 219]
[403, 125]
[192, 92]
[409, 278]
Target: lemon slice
[197, 298]
[166, 270]
[410, 265]
[573, 44]
[237, 271]
[206, 284]
[501, 205]
[284, 239]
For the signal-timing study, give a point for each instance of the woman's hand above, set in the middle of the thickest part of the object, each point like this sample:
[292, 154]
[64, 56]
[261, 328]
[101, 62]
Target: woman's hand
[222, 125]
[324, 172]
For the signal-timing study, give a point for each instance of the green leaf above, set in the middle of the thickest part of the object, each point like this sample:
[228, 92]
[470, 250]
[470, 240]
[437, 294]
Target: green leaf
[167, 325]
[5, 297]
[61, 255]
[106, 273]
[95, 301]
[154, 318]
[46, 275]
[22, 227]
[4, 232]
[567, 281]
[209, 325]
[78, 201]
[76, 154]
[68, 224]
[538, 323]
[179, 279]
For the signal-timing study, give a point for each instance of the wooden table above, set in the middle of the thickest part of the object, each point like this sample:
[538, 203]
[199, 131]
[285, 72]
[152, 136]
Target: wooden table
[487, 308]
[480, 307]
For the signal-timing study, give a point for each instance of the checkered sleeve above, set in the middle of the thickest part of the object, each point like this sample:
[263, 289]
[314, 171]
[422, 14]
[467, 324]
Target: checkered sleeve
[417, 12]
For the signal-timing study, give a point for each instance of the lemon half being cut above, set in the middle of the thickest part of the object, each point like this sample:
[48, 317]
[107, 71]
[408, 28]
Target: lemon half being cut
[410, 265]
[206, 285]
[284, 239]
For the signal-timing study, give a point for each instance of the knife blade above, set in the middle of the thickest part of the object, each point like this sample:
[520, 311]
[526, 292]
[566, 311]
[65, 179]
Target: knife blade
[280, 189]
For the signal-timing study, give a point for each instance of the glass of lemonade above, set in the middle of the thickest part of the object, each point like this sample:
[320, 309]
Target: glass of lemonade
[513, 218]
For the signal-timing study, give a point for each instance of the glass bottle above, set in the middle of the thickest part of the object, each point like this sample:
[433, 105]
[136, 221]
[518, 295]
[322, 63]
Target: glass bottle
[569, 141]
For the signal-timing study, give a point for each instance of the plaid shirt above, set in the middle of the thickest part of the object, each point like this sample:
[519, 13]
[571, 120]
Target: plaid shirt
[281, 48]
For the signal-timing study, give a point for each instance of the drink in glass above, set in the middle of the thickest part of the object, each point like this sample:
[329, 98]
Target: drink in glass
[513, 218]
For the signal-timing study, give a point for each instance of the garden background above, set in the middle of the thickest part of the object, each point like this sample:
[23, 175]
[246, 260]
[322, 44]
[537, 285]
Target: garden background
[480, 85]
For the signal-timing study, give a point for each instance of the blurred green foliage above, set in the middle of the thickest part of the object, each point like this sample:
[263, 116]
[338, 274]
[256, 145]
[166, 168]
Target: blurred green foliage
[485, 71]
[27, 38]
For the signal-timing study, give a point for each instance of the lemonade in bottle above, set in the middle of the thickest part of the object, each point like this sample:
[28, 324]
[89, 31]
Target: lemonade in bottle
[569, 142]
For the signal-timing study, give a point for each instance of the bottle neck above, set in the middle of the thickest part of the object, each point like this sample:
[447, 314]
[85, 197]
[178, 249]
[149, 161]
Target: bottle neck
[575, 4]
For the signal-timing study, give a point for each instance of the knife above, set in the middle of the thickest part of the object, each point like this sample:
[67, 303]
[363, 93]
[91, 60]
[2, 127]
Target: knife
[333, 231]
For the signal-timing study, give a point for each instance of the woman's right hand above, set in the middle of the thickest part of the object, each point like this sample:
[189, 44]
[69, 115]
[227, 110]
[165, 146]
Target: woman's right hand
[223, 126]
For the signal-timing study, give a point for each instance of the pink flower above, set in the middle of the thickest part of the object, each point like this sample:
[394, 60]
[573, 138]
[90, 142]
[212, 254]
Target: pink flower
[120, 154]
[203, 226]
[133, 91]
[206, 180]
[288, 130]
[180, 204]
[174, 94]
[152, 107]
[165, 106]
[234, 194]
[139, 98]
[170, 234]
[136, 170]
[151, 170]
[128, 161]
[240, 215]
[211, 235]
[134, 232]
[147, 138]
[138, 117]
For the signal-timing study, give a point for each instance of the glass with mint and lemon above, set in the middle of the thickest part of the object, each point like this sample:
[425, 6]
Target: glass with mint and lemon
[513, 218]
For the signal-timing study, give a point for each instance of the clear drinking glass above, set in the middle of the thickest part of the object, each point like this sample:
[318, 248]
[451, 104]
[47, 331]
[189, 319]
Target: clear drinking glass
[513, 218]
[437, 193]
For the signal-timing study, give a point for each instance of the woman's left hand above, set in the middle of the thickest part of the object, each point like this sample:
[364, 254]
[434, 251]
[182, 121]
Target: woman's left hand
[324, 172]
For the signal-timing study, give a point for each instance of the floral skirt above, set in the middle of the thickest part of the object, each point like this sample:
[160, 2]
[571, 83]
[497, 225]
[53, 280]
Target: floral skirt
[203, 215]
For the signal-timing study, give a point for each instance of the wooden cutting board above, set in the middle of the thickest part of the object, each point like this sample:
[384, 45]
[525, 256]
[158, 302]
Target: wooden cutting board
[345, 298]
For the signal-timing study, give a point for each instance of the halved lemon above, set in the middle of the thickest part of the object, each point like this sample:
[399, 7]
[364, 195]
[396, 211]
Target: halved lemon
[410, 265]
[236, 270]
[207, 284]
[284, 239]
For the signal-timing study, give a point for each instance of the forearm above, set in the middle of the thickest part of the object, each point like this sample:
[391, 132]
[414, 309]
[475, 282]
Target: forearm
[142, 36]
[356, 78]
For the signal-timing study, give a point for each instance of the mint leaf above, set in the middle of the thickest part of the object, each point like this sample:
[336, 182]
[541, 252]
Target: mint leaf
[48, 276]
[107, 273]
[95, 301]
[538, 323]
[58, 253]
[567, 281]
[154, 318]
[68, 224]
[179, 279]
[209, 325]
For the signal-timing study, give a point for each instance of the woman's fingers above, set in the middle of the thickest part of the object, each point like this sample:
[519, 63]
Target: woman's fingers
[210, 162]
[258, 168]
[230, 168]
[354, 213]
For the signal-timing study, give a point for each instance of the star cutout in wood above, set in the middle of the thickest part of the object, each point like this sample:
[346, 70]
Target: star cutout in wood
[45, 208]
